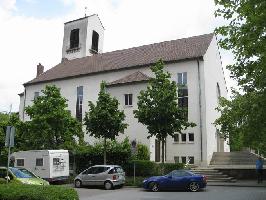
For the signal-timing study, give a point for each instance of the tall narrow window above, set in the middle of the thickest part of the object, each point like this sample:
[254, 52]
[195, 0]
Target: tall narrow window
[176, 137]
[182, 78]
[74, 38]
[128, 99]
[191, 137]
[36, 94]
[95, 41]
[79, 103]
[184, 159]
[183, 93]
[191, 159]
[183, 137]
[218, 92]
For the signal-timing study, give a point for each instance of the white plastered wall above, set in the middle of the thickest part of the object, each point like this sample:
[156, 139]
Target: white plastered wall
[213, 74]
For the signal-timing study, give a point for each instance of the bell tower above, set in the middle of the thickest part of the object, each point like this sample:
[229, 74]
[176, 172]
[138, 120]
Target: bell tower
[83, 37]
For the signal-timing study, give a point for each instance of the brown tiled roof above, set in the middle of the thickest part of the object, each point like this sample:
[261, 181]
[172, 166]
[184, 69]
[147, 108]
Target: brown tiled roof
[169, 51]
[135, 77]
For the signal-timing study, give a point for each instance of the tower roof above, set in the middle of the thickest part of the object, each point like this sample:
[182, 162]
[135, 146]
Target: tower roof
[169, 51]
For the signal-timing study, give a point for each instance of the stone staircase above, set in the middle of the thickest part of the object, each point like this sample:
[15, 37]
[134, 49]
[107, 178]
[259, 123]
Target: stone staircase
[233, 158]
[213, 175]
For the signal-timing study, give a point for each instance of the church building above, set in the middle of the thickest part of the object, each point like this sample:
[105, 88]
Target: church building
[194, 62]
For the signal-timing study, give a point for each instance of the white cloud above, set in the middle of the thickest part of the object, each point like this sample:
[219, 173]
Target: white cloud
[26, 41]
[8, 5]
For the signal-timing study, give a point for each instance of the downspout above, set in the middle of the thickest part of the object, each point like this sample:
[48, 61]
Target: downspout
[23, 115]
[200, 110]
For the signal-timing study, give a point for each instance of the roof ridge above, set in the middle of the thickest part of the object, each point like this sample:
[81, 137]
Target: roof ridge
[169, 51]
[166, 41]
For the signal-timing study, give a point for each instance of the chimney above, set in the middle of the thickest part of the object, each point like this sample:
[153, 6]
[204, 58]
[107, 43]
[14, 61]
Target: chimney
[40, 69]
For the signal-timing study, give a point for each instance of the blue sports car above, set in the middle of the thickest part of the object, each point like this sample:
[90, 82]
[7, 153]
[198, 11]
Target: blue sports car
[177, 179]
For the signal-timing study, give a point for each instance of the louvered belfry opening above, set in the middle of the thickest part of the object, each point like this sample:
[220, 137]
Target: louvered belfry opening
[74, 38]
[95, 41]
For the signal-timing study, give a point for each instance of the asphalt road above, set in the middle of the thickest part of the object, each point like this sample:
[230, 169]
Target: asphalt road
[212, 192]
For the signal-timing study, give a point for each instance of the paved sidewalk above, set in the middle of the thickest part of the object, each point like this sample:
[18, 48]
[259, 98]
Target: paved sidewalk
[239, 183]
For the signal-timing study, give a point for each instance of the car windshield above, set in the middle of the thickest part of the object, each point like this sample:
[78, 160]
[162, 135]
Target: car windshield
[22, 173]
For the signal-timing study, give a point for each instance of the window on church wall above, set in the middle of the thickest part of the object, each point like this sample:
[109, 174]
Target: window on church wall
[182, 78]
[218, 92]
[191, 137]
[191, 159]
[36, 94]
[176, 137]
[182, 92]
[183, 100]
[95, 41]
[183, 137]
[128, 99]
[74, 38]
[79, 103]
[183, 159]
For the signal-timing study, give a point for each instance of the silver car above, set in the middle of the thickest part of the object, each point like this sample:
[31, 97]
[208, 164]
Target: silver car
[108, 176]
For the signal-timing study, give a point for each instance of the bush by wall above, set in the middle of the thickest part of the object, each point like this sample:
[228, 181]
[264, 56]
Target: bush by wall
[33, 192]
[117, 153]
[142, 168]
[142, 152]
[166, 168]
[147, 168]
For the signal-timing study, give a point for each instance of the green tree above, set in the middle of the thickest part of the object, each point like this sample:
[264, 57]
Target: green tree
[104, 119]
[8, 120]
[243, 117]
[158, 108]
[51, 125]
[4, 119]
[143, 152]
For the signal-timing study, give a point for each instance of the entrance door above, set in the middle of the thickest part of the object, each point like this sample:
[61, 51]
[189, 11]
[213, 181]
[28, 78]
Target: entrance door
[157, 151]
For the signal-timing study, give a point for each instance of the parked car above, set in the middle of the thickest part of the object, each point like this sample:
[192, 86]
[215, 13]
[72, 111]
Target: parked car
[21, 175]
[108, 176]
[176, 180]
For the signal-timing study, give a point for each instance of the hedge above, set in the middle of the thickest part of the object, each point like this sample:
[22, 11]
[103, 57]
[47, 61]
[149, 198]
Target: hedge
[147, 168]
[168, 167]
[117, 153]
[33, 192]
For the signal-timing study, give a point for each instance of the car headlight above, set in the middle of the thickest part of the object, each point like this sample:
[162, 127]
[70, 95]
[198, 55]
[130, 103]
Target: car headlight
[145, 180]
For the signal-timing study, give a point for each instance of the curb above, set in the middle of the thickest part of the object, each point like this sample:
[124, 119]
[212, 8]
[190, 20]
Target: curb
[236, 185]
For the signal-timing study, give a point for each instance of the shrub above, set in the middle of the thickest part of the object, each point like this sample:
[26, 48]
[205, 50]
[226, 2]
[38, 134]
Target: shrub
[34, 192]
[142, 153]
[166, 168]
[142, 168]
[117, 153]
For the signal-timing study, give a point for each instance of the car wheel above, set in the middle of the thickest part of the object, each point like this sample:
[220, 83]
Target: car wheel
[193, 187]
[154, 187]
[108, 185]
[78, 184]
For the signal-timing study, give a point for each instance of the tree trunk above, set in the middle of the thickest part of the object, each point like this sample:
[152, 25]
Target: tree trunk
[104, 153]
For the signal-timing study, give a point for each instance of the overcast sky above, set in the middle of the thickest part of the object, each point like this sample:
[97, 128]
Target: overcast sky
[32, 32]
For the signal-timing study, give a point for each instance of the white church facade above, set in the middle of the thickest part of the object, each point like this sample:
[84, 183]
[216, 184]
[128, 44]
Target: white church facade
[194, 62]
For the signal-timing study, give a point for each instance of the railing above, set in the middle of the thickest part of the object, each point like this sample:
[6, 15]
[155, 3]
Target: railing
[74, 49]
